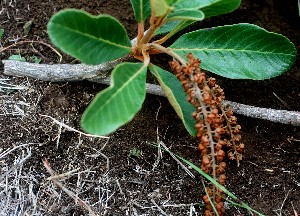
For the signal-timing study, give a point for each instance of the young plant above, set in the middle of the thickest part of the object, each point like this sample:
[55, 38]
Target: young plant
[240, 51]
[1, 32]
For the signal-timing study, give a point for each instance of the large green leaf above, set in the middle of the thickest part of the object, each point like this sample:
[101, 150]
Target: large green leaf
[117, 104]
[219, 7]
[142, 9]
[176, 96]
[242, 51]
[91, 39]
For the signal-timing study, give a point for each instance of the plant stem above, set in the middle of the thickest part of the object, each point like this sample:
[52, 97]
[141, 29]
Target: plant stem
[140, 32]
[155, 23]
[169, 52]
[198, 95]
[162, 40]
[149, 34]
[146, 57]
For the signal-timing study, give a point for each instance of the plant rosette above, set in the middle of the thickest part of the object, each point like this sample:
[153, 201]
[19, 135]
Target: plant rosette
[239, 51]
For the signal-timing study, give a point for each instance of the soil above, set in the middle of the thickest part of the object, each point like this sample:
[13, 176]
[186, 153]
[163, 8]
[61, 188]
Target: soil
[109, 177]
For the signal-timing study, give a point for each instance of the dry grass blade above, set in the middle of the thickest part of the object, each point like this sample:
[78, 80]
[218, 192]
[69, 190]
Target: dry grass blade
[13, 196]
[14, 167]
[66, 190]
[176, 159]
[296, 214]
[10, 105]
[6, 86]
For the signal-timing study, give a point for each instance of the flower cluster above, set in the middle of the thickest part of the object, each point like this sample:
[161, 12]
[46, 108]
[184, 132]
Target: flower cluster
[217, 128]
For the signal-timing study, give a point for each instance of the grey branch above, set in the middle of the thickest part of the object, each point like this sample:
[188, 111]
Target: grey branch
[101, 73]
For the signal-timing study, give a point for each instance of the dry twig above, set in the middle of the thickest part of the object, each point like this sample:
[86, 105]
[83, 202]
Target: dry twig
[72, 129]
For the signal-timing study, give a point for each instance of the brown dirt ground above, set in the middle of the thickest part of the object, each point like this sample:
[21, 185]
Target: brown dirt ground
[110, 180]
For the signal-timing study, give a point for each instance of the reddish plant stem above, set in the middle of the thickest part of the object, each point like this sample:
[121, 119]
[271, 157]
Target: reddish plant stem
[141, 31]
[198, 95]
[169, 52]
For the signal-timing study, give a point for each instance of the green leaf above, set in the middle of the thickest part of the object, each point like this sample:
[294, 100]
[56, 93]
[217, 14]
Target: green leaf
[208, 177]
[182, 10]
[194, 15]
[176, 96]
[173, 27]
[1, 32]
[212, 180]
[208, 7]
[142, 9]
[219, 7]
[117, 104]
[299, 7]
[35, 59]
[167, 27]
[211, 7]
[17, 58]
[159, 7]
[190, 4]
[135, 152]
[27, 27]
[242, 51]
[178, 20]
[91, 39]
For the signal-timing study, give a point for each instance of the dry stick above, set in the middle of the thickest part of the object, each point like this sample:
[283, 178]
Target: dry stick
[100, 74]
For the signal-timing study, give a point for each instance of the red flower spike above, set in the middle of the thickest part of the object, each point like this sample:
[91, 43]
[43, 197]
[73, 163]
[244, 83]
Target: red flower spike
[216, 126]
[219, 199]
[205, 160]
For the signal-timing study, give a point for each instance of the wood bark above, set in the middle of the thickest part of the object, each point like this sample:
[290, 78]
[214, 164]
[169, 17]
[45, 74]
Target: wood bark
[101, 74]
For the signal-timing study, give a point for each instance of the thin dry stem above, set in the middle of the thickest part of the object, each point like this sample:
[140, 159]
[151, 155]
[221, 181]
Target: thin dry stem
[39, 42]
[66, 190]
[72, 129]
[169, 52]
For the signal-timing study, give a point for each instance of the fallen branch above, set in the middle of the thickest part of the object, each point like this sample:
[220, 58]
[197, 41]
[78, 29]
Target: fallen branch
[100, 74]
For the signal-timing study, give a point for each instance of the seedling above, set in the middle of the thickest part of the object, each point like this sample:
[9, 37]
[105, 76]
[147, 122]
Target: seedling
[135, 152]
[27, 27]
[17, 58]
[35, 59]
[1, 33]
[240, 51]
